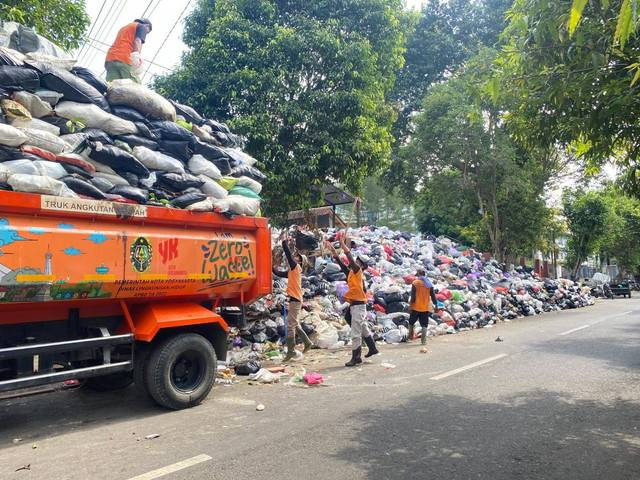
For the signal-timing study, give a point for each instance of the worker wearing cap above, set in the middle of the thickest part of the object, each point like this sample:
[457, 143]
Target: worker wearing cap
[130, 38]
[294, 292]
[357, 298]
[423, 299]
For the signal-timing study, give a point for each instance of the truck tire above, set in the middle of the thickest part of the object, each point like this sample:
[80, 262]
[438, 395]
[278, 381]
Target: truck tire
[141, 358]
[108, 383]
[180, 371]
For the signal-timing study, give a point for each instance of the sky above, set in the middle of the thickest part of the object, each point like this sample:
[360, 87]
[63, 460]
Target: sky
[164, 42]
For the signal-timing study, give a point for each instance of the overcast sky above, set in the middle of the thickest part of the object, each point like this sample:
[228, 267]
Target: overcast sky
[108, 16]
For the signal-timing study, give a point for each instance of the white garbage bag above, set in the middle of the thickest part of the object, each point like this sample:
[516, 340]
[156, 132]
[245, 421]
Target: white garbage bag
[50, 169]
[212, 188]
[238, 204]
[131, 94]
[36, 106]
[11, 136]
[113, 178]
[45, 140]
[203, 206]
[157, 160]
[21, 182]
[201, 166]
[36, 124]
[93, 116]
[21, 165]
[249, 183]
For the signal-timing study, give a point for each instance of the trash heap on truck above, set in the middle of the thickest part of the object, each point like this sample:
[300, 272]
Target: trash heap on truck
[66, 132]
[472, 292]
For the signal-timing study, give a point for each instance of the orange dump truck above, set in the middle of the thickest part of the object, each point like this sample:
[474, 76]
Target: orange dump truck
[114, 293]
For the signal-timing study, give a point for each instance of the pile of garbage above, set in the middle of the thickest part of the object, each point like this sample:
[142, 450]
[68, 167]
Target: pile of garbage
[66, 132]
[472, 293]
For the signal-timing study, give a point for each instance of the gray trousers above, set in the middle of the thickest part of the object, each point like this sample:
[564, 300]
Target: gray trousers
[359, 325]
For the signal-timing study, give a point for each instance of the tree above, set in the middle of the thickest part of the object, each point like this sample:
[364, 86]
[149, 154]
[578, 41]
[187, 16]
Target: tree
[64, 22]
[587, 216]
[626, 23]
[572, 92]
[305, 82]
[384, 208]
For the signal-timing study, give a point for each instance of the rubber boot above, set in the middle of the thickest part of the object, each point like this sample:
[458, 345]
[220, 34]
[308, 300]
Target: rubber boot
[305, 338]
[291, 349]
[423, 337]
[371, 345]
[355, 358]
[410, 333]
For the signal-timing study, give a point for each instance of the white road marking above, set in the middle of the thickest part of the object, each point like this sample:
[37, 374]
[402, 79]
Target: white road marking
[176, 467]
[468, 367]
[574, 330]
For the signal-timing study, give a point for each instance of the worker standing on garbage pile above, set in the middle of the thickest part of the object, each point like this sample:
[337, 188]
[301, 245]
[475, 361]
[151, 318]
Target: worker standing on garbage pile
[294, 292]
[124, 55]
[357, 299]
[423, 300]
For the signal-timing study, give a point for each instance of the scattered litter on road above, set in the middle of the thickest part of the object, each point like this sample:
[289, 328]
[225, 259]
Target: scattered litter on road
[24, 467]
[17, 440]
[313, 379]
[152, 436]
[424, 350]
[388, 366]
[260, 407]
[499, 339]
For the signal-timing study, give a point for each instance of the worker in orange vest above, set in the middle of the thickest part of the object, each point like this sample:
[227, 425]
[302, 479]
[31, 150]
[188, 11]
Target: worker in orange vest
[119, 63]
[423, 301]
[294, 292]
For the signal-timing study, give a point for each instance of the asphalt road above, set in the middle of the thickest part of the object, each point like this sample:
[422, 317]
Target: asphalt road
[559, 398]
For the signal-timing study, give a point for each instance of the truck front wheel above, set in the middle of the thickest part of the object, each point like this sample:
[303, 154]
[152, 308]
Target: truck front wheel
[180, 371]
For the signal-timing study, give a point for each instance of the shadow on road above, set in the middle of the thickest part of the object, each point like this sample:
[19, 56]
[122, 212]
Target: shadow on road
[543, 435]
[52, 414]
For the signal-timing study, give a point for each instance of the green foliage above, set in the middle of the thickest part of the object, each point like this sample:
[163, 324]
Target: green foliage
[622, 240]
[587, 216]
[626, 23]
[61, 21]
[385, 208]
[305, 82]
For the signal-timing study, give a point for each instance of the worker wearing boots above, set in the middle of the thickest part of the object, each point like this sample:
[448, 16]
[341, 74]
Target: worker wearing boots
[294, 292]
[423, 298]
[357, 299]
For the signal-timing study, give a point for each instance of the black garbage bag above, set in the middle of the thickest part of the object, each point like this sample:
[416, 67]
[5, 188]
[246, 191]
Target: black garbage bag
[393, 297]
[272, 334]
[96, 135]
[248, 171]
[65, 125]
[88, 76]
[189, 114]
[305, 242]
[9, 153]
[217, 126]
[132, 178]
[77, 171]
[128, 113]
[257, 327]
[73, 88]
[102, 184]
[18, 78]
[209, 151]
[132, 193]
[179, 182]
[138, 141]
[170, 131]
[178, 149]
[308, 328]
[395, 307]
[82, 187]
[186, 199]
[145, 132]
[117, 159]
[245, 369]
[6, 58]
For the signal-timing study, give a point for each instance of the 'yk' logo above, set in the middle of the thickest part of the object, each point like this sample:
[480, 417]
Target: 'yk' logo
[168, 250]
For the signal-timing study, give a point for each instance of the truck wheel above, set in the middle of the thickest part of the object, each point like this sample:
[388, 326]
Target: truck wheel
[140, 369]
[107, 383]
[181, 371]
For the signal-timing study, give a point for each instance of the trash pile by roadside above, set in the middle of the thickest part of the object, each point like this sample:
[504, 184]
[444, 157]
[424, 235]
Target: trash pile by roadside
[66, 132]
[472, 293]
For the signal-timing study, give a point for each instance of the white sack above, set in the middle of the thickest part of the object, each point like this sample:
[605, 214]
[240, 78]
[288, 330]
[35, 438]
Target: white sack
[39, 184]
[249, 183]
[131, 94]
[212, 188]
[157, 160]
[45, 140]
[11, 136]
[50, 169]
[238, 204]
[36, 106]
[36, 124]
[201, 166]
[93, 116]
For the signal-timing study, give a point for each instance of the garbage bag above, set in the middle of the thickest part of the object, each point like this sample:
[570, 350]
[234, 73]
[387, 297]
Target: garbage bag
[248, 171]
[94, 117]
[144, 131]
[138, 141]
[73, 170]
[133, 193]
[74, 140]
[244, 191]
[37, 124]
[49, 96]
[187, 199]
[74, 88]
[395, 307]
[128, 113]
[131, 94]
[325, 336]
[77, 161]
[157, 160]
[171, 131]
[40, 59]
[97, 135]
[45, 140]
[83, 187]
[64, 125]
[240, 157]
[205, 205]
[238, 205]
[36, 106]
[131, 178]
[13, 110]
[122, 145]
[204, 136]
[102, 184]
[303, 241]
[209, 151]
[393, 336]
[22, 166]
[248, 368]
[217, 126]
[11, 57]
[39, 152]
[212, 188]
[11, 136]
[39, 184]
[8, 152]
[228, 182]
[179, 149]
[178, 182]
[117, 159]
[50, 169]
[249, 183]
[115, 179]
[100, 167]
[187, 113]
[18, 78]
[88, 76]
[201, 166]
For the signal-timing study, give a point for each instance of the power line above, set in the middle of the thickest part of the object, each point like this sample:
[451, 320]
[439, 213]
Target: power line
[166, 38]
[101, 27]
[114, 18]
[154, 9]
[146, 9]
[93, 25]
[109, 46]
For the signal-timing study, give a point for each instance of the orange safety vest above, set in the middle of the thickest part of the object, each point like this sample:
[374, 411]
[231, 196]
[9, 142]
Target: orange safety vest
[294, 283]
[123, 45]
[423, 297]
[356, 291]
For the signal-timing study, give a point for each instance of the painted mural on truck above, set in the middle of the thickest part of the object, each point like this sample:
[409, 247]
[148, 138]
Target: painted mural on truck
[42, 259]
